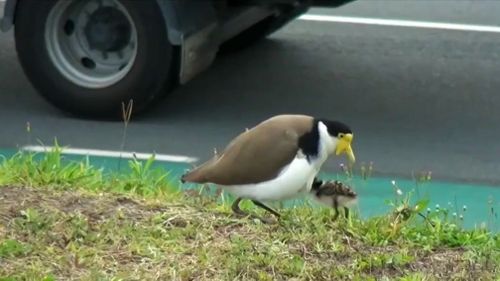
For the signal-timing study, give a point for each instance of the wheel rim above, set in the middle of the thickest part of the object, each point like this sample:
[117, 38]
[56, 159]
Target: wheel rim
[92, 43]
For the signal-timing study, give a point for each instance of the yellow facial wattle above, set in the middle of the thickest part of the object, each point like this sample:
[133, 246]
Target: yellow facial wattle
[344, 146]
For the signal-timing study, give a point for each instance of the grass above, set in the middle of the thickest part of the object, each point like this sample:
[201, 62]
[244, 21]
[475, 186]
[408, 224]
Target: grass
[62, 220]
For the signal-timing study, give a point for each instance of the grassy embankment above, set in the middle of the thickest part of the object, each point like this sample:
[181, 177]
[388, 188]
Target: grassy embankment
[64, 220]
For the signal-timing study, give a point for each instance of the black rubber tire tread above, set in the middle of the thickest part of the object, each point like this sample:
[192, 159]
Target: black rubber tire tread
[150, 78]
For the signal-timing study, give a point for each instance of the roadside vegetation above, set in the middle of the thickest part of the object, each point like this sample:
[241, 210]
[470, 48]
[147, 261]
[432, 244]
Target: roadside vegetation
[64, 220]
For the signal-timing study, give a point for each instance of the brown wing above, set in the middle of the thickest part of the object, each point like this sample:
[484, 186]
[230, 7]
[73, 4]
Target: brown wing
[256, 155]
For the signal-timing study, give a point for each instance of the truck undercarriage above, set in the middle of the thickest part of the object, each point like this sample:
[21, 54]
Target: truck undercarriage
[89, 57]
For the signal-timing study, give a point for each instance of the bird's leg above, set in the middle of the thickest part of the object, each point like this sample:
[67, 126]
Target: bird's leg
[335, 207]
[346, 212]
[269, 209]
[236, 207]
[336, 215]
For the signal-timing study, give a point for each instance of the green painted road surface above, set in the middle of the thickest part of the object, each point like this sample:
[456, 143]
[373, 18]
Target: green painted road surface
[482, 203]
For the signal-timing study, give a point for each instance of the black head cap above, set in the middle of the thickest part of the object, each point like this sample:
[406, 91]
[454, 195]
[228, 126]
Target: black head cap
[335, 127]
[309, 141]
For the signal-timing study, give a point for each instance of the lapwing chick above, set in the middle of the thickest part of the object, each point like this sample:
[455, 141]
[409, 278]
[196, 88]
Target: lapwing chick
[277, 159]
[334, 194]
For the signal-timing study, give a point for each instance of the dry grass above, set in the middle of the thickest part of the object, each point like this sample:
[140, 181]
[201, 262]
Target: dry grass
[76, 235]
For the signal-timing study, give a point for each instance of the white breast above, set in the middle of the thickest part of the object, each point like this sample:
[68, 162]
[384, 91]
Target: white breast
[295, 179]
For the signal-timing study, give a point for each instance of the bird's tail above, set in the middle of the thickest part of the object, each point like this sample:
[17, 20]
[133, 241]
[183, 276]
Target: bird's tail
[198, 174]
[189, 176]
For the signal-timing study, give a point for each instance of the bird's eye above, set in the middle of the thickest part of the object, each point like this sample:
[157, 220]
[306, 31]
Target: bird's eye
[341, 135]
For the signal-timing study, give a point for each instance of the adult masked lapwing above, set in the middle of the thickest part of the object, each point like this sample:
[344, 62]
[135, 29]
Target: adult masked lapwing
[276, 160]
[334, 194]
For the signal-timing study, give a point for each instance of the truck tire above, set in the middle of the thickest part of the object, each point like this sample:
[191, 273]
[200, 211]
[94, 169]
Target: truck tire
[89, 57]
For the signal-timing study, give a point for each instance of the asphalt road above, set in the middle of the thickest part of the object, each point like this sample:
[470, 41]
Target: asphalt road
[418, 99]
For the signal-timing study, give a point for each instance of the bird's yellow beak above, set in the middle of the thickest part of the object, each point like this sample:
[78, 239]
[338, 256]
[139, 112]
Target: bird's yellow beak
[344, 146]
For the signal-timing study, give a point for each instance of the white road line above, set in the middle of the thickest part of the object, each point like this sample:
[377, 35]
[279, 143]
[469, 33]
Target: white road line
[402, 23]
[109, 153]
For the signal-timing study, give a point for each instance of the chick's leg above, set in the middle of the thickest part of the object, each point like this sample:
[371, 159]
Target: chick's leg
[346, 212]
[335, 207]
